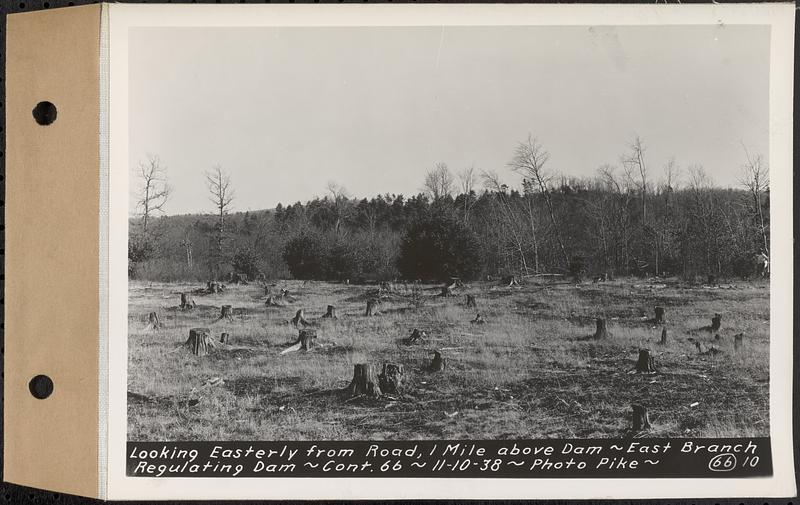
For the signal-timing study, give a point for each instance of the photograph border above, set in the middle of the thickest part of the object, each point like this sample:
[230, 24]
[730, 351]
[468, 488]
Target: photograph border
[120, 18]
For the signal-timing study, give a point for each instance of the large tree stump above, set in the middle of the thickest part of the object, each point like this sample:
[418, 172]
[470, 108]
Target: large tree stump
[646, 363]
[186, 302]
[364, 382]
[601, 331]
[640, 420]
[298, 319]
[391, 378]
[659, 319]
[471, 302]
[304, 342]
[738, 341]
[438, 363]
[716, 322]
[226, 312]
[372, 307]
[200, 341]
[224, 338]
[213, 287]
[153, 322]
[331, 312]
[663, 336]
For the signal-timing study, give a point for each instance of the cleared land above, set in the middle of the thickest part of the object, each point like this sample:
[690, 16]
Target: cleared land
[532, 370]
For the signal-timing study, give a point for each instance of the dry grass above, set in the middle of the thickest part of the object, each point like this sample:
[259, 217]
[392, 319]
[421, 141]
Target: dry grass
[532, 371]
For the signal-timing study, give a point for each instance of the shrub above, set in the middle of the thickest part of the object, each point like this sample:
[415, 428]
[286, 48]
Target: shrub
[246, 262]
[305, 256]
[438, 247]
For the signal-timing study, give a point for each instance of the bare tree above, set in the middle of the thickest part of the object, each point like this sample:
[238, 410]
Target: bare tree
[636, 170]
[529, 160]
[467, 179]
[492, 183]
[154, 191]
[755, 178]
[439, 182]
[218, 183]
[340, 199]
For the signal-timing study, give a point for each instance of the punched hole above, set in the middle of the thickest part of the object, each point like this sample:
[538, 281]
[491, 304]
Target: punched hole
[41, 387]
[45, 113]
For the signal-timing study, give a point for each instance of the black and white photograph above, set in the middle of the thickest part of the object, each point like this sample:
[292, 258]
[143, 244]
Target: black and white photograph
[462, 232]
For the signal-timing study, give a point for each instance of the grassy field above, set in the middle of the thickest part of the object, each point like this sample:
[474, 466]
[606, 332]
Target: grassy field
[532, 371]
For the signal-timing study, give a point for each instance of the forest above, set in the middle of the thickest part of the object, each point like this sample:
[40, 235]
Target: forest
[628, 219]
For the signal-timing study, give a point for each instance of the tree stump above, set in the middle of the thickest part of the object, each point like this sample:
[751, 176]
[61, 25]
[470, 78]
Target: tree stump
[199, 341]
[471, 302]
[646, 363]
[716, 322]
[415, 337]
[224, 338]
[153, 321]
[305, 341]
[331, 313]
[364, 382]
[478, 319]
[438, 363]
[186, 302]
[659, 319]
[213, 287]
[663, 336]
[226, 312]
[306, 338]
[372, 307]
[601, 331]
[738, 341]
[266, 290]
[298, 319]
[640, 418]
[391, 378]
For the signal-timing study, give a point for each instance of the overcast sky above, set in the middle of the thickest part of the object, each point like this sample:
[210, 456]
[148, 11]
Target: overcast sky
[285, 110]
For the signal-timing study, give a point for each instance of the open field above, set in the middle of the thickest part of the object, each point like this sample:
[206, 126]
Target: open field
[532, 371]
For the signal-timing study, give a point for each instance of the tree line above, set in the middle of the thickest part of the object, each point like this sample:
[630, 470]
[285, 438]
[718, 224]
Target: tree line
[627, 219]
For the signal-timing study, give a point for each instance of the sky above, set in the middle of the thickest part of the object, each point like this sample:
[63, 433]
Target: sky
[286, 110]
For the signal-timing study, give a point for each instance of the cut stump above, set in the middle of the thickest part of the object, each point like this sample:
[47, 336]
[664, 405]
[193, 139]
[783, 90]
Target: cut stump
[471, 302]
[391, 378]
[663, 336]
[299, 319]
[226, 312]
[738, 341]
[438, 363]
[153, 322]
[186, 302]
[601, 331]
[646, 363]
[372, 307]
[224, 338]
[331, 312]
[415, 337]
[716, 322]
[659, 319]
[478, 319]
[640, 419]
[365, 381]
[304, 342]
[200, 341]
